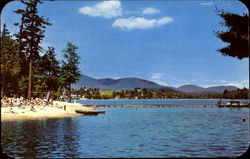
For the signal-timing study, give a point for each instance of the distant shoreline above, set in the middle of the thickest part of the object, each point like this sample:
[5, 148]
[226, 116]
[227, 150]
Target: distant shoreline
[72, 100]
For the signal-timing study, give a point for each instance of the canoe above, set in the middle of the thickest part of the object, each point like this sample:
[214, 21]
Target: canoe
[88, 112]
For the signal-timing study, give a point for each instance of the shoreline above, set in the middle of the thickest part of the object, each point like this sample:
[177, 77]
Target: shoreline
[54, 111]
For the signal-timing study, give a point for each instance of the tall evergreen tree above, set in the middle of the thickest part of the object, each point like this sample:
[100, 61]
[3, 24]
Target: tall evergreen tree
[10, 64]
[31, 33]
[70, 72]
[50, 69]
[236, 36]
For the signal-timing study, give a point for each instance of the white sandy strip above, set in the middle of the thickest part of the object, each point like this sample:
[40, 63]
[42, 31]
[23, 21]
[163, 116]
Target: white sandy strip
[42, 112]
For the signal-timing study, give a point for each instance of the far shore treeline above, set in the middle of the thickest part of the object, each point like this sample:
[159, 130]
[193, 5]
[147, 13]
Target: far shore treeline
[146, 93]
[28, 69]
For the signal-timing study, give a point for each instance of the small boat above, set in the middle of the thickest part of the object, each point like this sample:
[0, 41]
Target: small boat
[89, 112]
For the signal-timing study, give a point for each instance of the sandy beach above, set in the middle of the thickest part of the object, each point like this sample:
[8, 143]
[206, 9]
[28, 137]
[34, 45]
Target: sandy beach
[54, 111]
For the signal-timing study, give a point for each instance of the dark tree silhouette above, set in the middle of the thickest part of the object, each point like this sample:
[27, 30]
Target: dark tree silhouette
[10, 63]
[50, 69]
[236, 35]
[31, 33]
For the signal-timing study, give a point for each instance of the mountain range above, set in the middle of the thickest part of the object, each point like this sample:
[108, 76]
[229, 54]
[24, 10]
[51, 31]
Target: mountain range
[131, 83]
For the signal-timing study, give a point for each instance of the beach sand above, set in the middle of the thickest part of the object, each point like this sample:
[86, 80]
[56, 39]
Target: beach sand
[55, 111]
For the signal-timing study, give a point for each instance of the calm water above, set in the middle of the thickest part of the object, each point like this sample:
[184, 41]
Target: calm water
[133, 132]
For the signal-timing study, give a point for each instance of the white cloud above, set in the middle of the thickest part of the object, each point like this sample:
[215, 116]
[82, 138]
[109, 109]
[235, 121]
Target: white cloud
[206, 3]
[158, 78]
[130, 12]
[241, 84]
[236, 84]
[164, 20]
[150, 11]
[157, 75]
[140, 23]
[106, 9]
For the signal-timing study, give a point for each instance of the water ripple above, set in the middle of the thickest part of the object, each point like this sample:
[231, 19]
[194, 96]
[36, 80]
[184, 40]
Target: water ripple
[128, 132]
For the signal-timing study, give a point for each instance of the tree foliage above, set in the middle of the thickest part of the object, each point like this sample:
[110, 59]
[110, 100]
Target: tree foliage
[10, 63]
[31, 32]
[236, 36]
[50, 68]
[31, 29]
[164, 93]
[70, 72]
[24, 48]
[236, 94]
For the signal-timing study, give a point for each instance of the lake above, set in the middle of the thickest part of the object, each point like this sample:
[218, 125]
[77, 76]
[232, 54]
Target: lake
[134, 132]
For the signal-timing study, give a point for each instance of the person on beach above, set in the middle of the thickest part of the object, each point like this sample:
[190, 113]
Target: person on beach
[6, 103]
[11, 111]
[3, 101]
[11, 103]
[51, 101]
[18, 103]
[33, 109]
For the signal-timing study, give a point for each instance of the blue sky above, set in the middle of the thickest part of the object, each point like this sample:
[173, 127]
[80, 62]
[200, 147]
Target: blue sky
[168, 42]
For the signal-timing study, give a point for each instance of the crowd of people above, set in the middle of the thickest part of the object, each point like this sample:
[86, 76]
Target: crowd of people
[22, 103]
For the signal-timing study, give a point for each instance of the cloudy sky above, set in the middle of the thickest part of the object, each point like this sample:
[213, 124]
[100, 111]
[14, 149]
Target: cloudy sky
[168, 42]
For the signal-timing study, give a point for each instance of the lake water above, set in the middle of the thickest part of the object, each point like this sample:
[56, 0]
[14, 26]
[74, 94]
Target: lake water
[133, 132]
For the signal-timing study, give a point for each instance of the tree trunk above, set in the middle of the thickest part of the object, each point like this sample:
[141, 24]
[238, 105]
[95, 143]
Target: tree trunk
[30, 71]
[2, 84]
[69, 92]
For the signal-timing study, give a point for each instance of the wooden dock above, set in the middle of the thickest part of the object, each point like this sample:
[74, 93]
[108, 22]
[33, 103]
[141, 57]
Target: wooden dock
[235, 105]
[172, 105]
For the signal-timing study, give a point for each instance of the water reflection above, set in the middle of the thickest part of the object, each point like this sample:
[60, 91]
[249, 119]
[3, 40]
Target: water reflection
[40, 139]
[131, 132]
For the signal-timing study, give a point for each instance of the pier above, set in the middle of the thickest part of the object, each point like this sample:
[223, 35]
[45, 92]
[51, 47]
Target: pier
[235, 105]
[170, 105]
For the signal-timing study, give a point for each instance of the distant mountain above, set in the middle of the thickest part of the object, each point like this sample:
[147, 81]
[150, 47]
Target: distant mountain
[190, 88]
[220, 89]
[86, 81]
[198, 89]
[115, 84]
[131, 83]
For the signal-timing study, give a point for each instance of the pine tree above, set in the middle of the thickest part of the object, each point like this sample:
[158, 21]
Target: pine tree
[70, 72]
[31, 33]
[50, 69]
[236, 35]
[10, 64]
